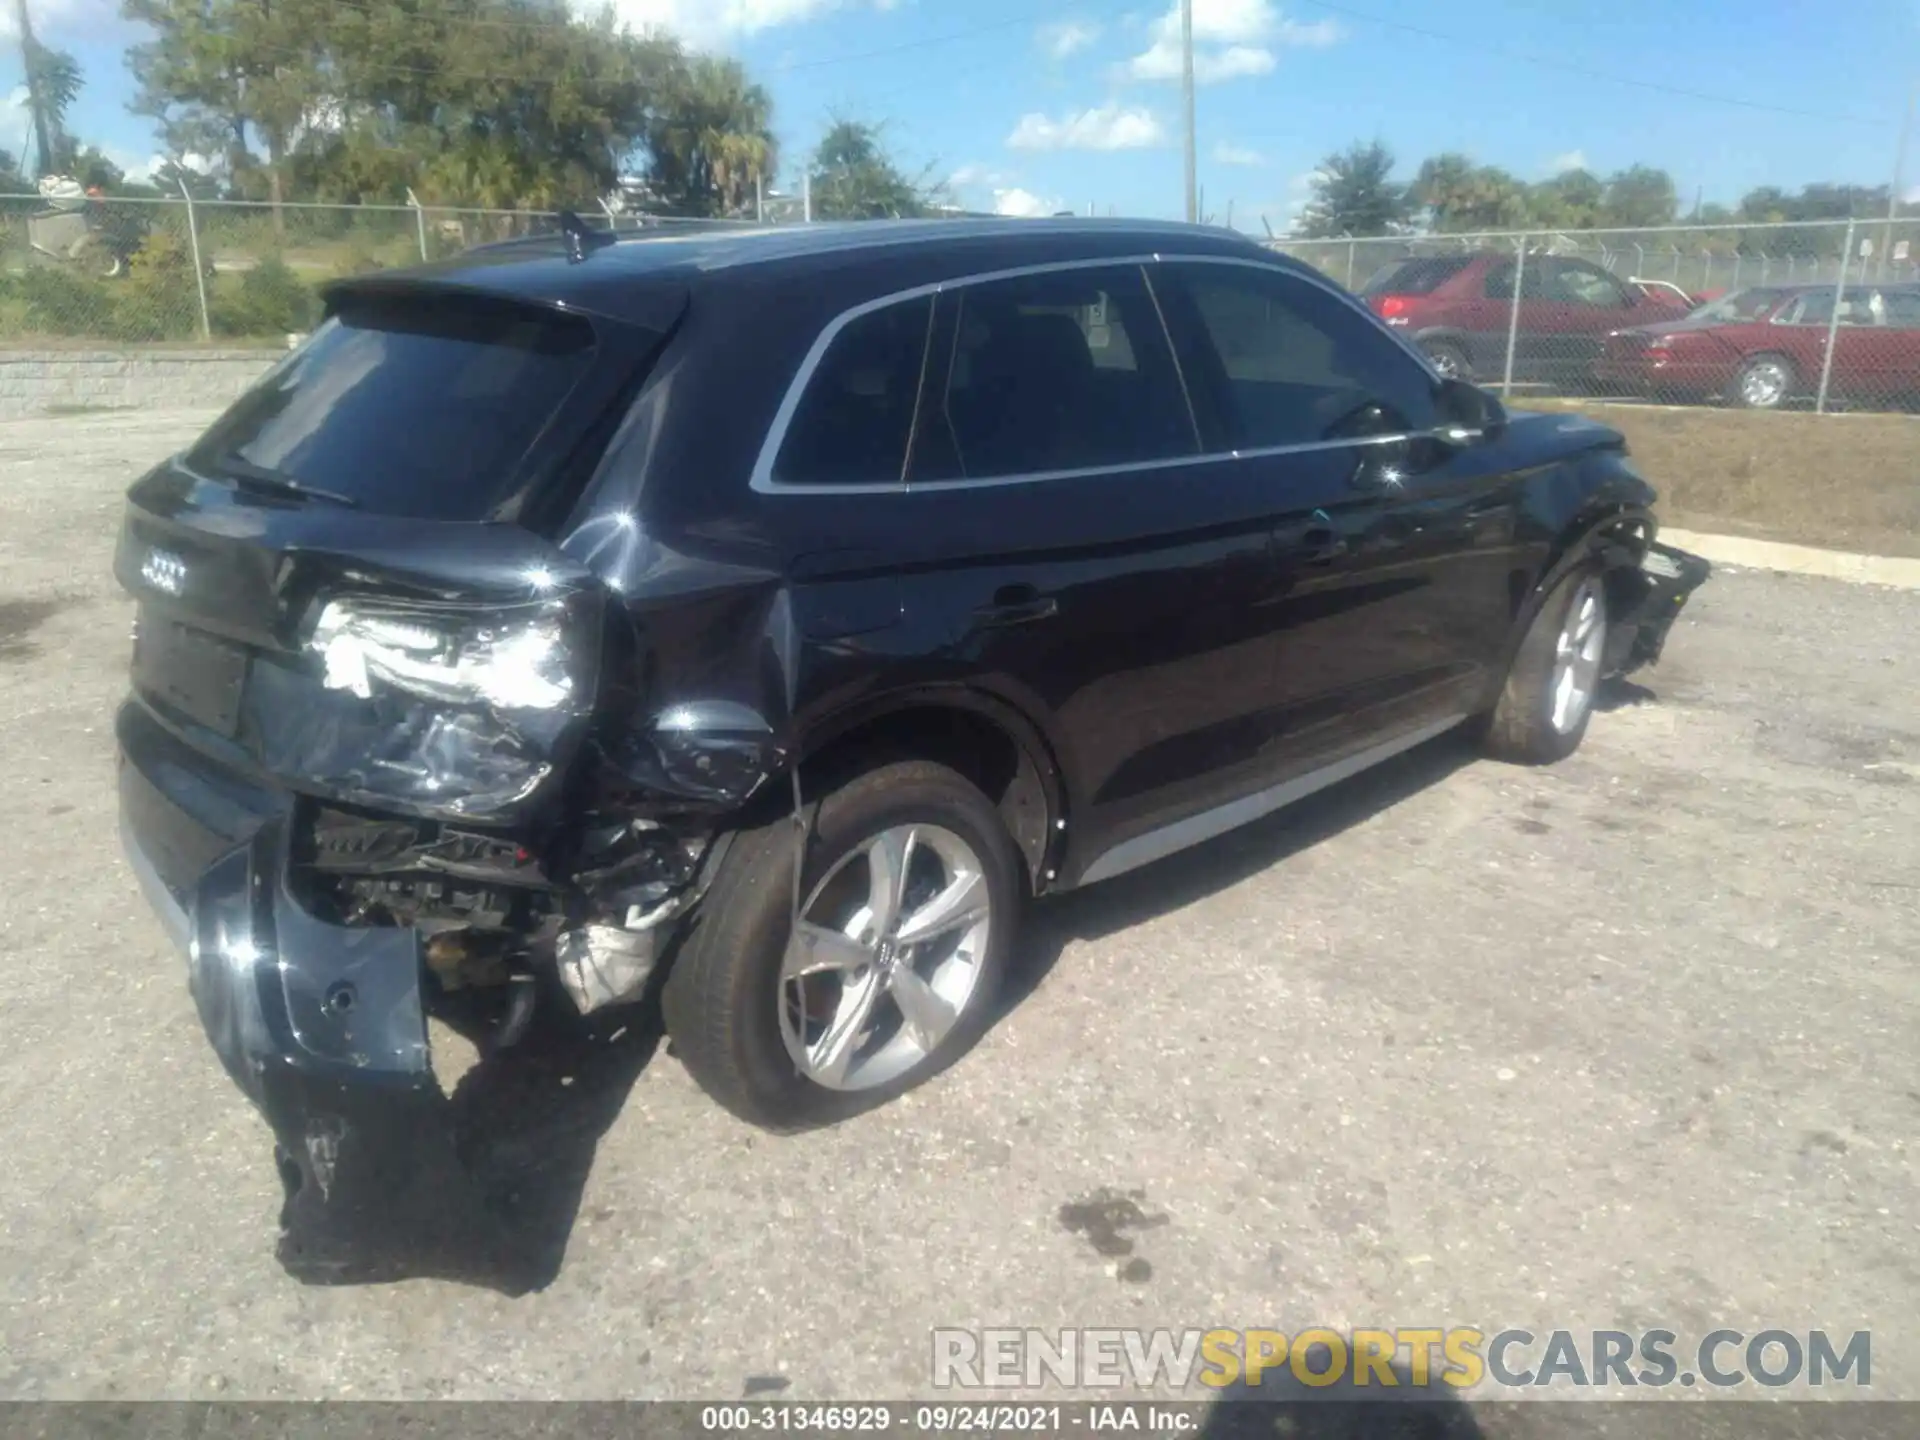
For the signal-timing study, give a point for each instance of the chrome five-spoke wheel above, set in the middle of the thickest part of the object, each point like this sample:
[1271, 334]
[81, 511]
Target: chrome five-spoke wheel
[1577, 655]
[885, 957]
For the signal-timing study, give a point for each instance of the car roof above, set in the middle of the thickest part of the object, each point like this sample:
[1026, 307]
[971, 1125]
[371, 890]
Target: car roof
[541, 269]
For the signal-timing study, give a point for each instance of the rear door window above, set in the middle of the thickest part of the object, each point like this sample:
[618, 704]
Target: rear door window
[1573, 283]
[424, 408]
[1498, 284]
[1062, 370]
[856, 413]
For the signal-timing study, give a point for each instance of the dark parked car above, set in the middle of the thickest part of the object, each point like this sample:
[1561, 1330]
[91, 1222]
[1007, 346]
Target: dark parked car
[1459, 310]
[1763, 347]
[768, 617]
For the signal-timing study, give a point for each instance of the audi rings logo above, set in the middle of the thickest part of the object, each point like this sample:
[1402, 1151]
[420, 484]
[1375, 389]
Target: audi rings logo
[164, 571]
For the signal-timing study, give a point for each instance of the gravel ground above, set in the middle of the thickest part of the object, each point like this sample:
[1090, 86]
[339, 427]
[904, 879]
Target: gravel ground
[1627, 1042]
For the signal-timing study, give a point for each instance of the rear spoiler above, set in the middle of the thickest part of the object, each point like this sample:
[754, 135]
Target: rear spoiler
[538, 281]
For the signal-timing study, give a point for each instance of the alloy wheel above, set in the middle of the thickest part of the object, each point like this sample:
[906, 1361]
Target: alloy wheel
[885, 957]
[1577, 655]
[1763, 384]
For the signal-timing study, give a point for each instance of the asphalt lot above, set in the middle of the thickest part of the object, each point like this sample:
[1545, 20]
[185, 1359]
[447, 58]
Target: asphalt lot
[1624, 1043]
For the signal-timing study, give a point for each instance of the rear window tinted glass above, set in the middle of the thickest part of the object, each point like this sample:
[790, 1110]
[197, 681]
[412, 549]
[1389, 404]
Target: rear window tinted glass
[853, 420]
[1415, 277]
[1065, 370]
[418, 409]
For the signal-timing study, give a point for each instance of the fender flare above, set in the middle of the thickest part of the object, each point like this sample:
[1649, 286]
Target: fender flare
[1030, 739]
[1617, 532]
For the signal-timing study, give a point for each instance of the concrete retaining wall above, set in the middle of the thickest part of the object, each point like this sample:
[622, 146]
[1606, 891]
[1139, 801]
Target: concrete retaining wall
[34, 382]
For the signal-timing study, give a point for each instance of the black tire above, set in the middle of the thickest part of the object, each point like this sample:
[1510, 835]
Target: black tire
[722, 999]
[1746, 386]
[1522, 727]
[1448, 358]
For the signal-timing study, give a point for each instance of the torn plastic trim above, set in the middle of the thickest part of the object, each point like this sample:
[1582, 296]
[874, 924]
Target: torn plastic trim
[275, 984]
[600, 964]
[323, 1030]
[1645, 600]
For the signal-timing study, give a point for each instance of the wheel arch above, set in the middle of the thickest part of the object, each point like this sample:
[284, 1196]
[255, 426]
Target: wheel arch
[986, 738]
[1613, 530]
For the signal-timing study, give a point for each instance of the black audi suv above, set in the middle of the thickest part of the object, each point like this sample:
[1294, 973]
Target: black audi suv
[760, 621]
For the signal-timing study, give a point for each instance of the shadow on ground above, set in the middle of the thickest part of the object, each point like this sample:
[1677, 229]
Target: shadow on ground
[1279, 1406]
[494, 1172]
[1192, 875]
[496, 1206]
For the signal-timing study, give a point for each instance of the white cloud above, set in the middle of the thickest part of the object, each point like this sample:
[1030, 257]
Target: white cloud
[708, 22]
[974, 173]
[1303, 182]
[133, 165]
[1023, 203]
[1571, 160]
[1237, 155]
[1231, 38]
[1064, 37]
[1106, 127]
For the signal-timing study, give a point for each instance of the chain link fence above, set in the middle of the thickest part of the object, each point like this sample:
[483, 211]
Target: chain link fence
[1819, 316]
[145, 271]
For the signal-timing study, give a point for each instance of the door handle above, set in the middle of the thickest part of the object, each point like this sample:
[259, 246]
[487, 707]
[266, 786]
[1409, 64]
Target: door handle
[1016, 605]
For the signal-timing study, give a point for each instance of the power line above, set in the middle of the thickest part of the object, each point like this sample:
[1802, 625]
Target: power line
[1482, 46]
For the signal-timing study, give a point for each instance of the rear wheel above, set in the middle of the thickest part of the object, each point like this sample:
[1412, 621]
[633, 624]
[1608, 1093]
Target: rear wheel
[908, 901]
[1766, 382]
[1545, 705]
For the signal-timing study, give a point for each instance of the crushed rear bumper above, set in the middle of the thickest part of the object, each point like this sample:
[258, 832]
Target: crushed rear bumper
[322, 1026]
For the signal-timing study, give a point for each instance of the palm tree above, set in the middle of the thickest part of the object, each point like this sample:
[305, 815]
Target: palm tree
[53, 83]
[713, 139]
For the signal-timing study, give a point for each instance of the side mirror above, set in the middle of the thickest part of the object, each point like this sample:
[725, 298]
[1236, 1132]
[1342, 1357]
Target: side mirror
[1468, 413]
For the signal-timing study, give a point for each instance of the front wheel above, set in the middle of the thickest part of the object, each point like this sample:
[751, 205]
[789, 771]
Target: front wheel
[908, 901]
[1543, 709]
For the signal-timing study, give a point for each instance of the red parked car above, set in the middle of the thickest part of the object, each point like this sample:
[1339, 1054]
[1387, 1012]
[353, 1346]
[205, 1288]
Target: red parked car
[1765, 346]
[1459, 309]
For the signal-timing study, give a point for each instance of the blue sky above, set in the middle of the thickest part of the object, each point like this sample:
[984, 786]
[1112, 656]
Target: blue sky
[1039, 105]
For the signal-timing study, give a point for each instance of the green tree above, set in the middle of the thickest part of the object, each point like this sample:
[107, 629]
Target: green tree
[854, 178]
[711, 140]
[53, 84]
[1354, 193]
[1459, 195]
[1571, 200]
[1641, 195]
[220, 74]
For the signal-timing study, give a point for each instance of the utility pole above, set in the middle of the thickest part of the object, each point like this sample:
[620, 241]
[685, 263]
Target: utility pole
[1186, 93]
[36, 98]
[1899, 174]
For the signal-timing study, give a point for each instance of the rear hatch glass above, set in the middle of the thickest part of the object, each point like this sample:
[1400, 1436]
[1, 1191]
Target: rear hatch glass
[1420, 276]
[418, 407]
